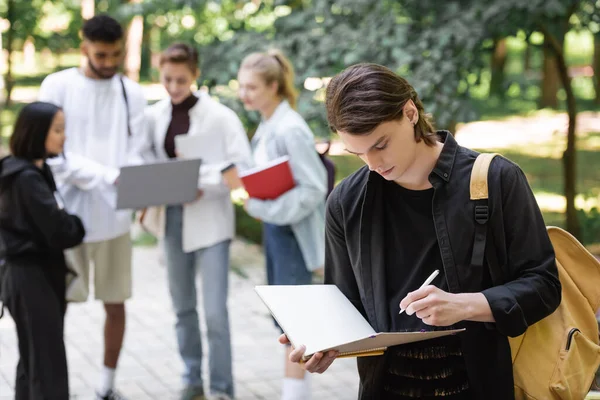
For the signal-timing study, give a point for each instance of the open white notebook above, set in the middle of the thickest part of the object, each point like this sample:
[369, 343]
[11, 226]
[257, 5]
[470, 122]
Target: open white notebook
[322, 318]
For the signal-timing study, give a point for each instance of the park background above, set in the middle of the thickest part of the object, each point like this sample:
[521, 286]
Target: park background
[520, 78]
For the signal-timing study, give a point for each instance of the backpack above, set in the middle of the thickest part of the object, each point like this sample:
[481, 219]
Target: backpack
[329, 167]
[557, 357]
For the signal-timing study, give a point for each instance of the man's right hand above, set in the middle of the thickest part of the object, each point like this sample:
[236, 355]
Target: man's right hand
[318, 363]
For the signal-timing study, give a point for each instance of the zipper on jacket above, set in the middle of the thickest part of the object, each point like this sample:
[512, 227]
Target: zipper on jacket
[570, 337]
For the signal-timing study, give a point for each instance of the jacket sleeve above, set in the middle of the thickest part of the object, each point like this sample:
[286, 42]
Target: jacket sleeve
[147, 150]
[59, 229]
[237, 151]
[310, 190]
[532, 289]
[338, 267]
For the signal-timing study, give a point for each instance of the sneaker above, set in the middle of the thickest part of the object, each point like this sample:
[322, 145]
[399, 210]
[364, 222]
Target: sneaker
[111, 395]
[192, 393]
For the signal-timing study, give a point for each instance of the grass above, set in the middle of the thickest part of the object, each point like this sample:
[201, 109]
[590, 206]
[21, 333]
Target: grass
[542, 164]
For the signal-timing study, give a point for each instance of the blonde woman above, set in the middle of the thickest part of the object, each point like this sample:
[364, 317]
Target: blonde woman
[294, 223]
[197, 236]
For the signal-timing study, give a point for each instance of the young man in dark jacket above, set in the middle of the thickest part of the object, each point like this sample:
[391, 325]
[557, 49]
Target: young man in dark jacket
[34, 231]
[408, 213]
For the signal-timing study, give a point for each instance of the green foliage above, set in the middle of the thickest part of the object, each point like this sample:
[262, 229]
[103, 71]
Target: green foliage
[443, 48]
[145, 239]
[452, 40]
[246, 226]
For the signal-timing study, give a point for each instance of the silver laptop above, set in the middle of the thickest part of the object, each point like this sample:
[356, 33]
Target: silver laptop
[163, 183]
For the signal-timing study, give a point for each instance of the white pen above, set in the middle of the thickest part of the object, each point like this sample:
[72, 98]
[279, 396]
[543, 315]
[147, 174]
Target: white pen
[427, 282]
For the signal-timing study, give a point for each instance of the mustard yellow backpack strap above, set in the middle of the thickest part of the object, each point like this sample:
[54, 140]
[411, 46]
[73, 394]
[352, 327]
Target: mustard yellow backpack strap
[479, 176]
[479, 194]
[480, 191]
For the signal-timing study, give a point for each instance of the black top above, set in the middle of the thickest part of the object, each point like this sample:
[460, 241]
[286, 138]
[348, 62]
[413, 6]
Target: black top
[180, 123]
[32, 225]
[411, 250]
[355, 261]
[433, 369]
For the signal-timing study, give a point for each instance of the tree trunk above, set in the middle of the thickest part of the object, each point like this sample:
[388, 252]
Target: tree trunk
[155, 40]
[452, 127]
[527, 57]
[133, 48]
[497, 67]
[146, 57]
[569, 156]
[9, 83]
[597, 66]
[550, 77]
[88, 8]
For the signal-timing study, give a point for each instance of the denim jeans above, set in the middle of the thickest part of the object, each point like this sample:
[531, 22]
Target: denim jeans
[213, 263]
[285, 264]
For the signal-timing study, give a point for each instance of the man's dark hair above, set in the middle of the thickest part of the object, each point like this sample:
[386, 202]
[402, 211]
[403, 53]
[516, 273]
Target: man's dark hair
[28, 140]
[102, 28]
[363, 96]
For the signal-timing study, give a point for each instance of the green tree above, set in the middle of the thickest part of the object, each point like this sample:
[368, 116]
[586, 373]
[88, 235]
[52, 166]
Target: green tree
[22, 18]
[453, 36]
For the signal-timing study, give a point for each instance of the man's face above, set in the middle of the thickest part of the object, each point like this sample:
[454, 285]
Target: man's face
[390, 149]
[104, 59]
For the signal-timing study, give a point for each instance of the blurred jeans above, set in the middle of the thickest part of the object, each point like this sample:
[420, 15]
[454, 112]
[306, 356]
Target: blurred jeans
[213, 264]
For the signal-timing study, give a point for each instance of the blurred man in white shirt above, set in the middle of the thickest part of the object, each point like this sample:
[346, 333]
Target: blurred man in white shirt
[104, 114]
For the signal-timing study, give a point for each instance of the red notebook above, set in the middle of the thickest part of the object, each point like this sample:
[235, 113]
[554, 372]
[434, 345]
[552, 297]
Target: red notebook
[269, 181]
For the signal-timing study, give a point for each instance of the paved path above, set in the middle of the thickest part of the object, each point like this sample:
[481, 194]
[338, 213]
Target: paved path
[150, 367]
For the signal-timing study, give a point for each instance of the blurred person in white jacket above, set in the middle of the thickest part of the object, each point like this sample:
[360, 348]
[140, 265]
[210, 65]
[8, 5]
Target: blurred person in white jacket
[197, 236]
[104, 114]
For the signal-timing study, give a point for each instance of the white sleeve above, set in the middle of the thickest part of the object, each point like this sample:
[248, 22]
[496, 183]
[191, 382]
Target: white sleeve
[51, 91]
[237, 151]
[140, 143]
[81, 172]
[310, 190]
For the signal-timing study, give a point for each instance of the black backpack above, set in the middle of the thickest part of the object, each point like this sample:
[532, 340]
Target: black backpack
[329, 166]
